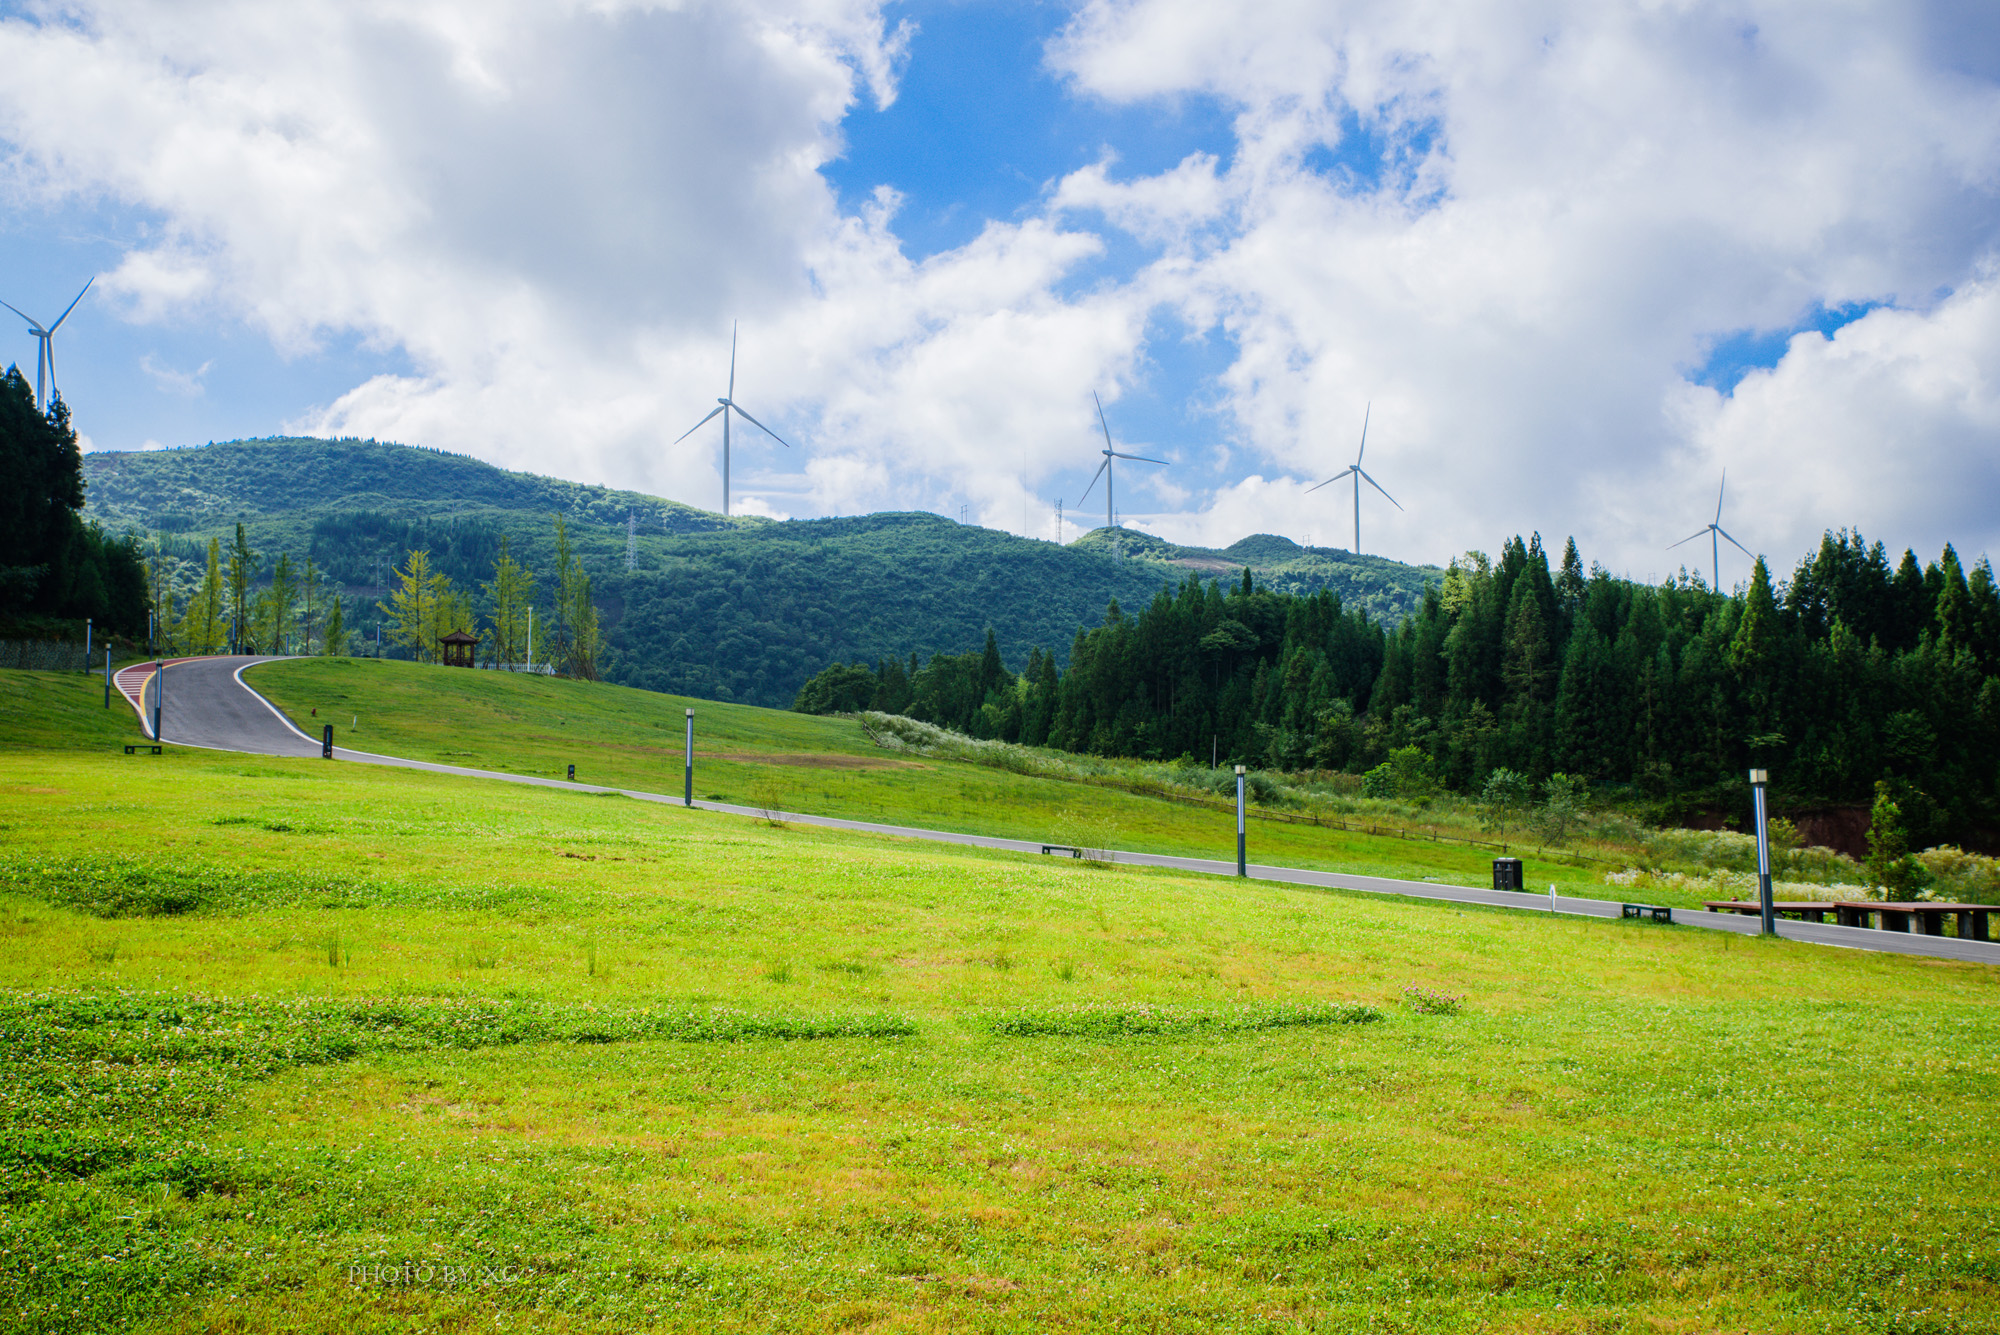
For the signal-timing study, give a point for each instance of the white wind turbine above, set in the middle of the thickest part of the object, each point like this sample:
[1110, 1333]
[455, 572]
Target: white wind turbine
[1354, 470]
[726, 405]
[45, 354]
[1712, 529]
[1104, 469]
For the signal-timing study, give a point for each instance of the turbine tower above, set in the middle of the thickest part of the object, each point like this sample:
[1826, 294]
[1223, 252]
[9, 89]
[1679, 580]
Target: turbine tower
[1354, 470]
[1104, 469]
[45, 353]
[726, 405]
[1712, 529]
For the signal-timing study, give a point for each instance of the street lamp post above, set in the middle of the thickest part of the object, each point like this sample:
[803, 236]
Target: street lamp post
[688, 797]
[1242, 868]
[159, 696]
[1758, 779]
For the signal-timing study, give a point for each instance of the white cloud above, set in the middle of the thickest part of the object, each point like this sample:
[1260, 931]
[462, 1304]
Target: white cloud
[186, 384]
[1593, 194]
[1514, 230]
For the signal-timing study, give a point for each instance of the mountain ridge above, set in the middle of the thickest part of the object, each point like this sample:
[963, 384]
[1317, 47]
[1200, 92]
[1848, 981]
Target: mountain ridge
[731, 607]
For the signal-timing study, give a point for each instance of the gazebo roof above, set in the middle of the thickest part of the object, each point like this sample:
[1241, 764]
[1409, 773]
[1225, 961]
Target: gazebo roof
[458, 637]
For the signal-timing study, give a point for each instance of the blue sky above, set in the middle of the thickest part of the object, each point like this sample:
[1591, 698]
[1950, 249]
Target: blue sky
[1566, 263]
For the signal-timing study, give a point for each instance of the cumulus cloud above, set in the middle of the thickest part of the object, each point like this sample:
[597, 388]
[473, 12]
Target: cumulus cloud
[1569, 207]
[1517, 232]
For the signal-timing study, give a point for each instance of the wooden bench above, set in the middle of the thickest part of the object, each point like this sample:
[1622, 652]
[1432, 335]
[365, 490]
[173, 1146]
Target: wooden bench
[1062, 848]
[133, 748]
[1921, 916]
[1806, 910]
[1657, 912]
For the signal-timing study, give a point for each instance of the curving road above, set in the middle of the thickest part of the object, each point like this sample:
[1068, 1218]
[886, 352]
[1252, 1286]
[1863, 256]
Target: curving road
[207, 704]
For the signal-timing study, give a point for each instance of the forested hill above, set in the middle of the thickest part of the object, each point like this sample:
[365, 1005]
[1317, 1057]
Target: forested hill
[210, 488]
[727, 608]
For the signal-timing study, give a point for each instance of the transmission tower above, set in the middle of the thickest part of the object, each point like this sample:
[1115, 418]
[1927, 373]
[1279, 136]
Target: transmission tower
[631, 540]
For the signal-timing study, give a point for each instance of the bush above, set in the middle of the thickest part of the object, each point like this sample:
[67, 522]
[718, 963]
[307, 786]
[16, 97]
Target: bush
[1562, 809]
[1960, 877]
[1425, 1001]
[1506, 794]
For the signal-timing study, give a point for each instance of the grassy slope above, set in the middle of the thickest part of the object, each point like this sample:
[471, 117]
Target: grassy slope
[1627, 1128]
[822, 766]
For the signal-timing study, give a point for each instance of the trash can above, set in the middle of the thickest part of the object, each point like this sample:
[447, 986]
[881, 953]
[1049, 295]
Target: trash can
[1506, 873]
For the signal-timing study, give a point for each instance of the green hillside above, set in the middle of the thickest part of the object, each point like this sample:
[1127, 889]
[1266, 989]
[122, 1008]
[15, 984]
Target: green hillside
[722, 608]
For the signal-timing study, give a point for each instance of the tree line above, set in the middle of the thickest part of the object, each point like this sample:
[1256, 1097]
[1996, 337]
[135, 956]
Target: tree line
[425, 606]
[54, 566]
[1851, 672]
[225, 607]
[235, 604]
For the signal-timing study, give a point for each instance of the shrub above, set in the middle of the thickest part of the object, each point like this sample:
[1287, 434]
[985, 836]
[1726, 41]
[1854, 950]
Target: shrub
[1961, 877]
[1425, 1001]
[1562, 809]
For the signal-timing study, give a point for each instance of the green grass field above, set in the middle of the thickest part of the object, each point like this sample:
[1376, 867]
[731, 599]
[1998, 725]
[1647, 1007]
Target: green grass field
[294, 1046]
[634, 739]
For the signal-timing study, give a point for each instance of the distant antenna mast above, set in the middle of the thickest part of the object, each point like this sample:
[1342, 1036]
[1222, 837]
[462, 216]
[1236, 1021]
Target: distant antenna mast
[631, 540]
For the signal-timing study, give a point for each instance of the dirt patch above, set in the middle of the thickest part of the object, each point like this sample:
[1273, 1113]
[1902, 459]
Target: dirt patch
[809, 760]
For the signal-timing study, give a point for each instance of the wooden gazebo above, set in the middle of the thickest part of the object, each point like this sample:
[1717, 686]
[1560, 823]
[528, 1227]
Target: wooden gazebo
[455, 649]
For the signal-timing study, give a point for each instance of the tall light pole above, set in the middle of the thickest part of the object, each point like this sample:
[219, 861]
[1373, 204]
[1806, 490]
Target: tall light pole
[159, 696]
[688, 798]
[1758, 778]
[1242, 869]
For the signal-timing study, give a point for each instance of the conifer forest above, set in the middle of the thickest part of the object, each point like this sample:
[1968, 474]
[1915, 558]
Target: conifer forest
[1851, 672]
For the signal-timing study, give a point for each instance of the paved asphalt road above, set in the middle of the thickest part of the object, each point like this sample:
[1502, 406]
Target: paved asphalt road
[208, 705]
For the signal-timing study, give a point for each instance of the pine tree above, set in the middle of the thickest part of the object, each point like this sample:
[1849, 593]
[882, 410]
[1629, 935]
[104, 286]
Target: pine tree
[509, 595]
[1529, 670]
[280, 601]
[412, 609]
[576, 616]
[1956, 622]
[1892, 868]
[333, 641]
[202, 627]
[991, 670]
[162, 573]
[311, 597]
[242, 565]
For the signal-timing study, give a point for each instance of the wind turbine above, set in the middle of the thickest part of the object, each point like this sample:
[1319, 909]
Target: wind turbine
[726, 405]
[45, 355]
[1715, 548]
[1104, 469]
[1354, 470]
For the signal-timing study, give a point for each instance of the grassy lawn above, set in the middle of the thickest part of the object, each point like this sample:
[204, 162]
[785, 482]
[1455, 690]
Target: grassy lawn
[297, 1046]
[825, 766]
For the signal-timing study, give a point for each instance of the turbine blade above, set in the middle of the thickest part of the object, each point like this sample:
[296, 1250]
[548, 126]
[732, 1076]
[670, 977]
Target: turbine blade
[1718, 500]
[1365, 413]
[1699, 533]
[697, 426]
[1378, 486]
[1101, 422]
[1330, 481]
[732, 359]
[25, 316]
[72, 306]
[1140, 457]
[1718, 528]
[761, 427]
[1093, 483]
